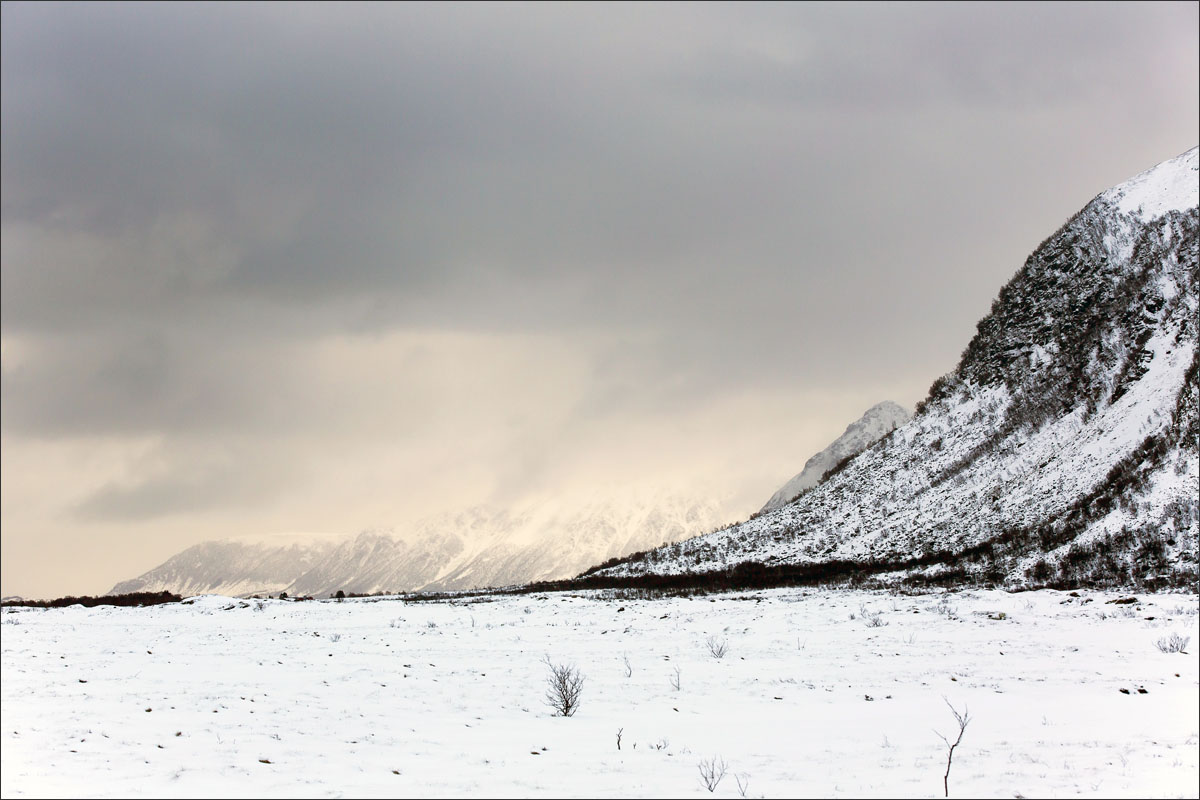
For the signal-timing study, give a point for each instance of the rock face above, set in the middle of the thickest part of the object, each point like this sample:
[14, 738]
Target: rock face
[471, 549]
[877, 422]
[1062, 450]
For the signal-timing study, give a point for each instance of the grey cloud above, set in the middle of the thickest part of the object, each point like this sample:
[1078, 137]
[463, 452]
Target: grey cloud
[227, 481]
[770, 194]
[904, 57]
[404, 151]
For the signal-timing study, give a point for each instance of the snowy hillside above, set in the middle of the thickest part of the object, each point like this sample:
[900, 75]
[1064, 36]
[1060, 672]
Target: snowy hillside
[878, 421]
[475, 548]
[1062, 450]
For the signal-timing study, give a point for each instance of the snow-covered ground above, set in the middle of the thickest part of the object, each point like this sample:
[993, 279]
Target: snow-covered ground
[820, 693]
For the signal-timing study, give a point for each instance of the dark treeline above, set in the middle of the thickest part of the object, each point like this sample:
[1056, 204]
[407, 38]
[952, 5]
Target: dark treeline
[131, 599]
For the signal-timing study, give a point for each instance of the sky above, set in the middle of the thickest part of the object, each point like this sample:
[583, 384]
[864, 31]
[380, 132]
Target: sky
[321, 268]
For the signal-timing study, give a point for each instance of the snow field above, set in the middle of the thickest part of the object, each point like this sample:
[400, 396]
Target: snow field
[369, 698]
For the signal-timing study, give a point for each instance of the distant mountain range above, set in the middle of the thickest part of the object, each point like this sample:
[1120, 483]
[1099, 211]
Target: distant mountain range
[480, 547]
[878, 421]
[1062, 450]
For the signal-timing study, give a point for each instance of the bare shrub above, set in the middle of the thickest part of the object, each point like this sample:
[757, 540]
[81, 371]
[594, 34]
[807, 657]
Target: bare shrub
[712, 770]
[628, 666]
[563, 687]
[675, 679]
[873, 619]
[963, 720]
[743, 783]
[335, 637]
[717, 648]
[1173, 643]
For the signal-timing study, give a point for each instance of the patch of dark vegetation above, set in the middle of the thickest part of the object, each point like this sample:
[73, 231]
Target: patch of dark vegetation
[750, 575]
[836, 468]
[131, 599]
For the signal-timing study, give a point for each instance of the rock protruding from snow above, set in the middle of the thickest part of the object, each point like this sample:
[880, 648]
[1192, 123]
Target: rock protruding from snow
[877, 422]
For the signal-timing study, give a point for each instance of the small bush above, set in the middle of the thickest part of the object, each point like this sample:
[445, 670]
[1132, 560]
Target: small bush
[717, 648]
[962, 720]
[1173, 643]
[711, 772]
[563, 687]
[873, 619]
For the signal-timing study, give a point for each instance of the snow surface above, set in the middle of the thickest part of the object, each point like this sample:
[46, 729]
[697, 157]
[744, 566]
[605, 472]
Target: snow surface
[386, 698]
[1173, 185]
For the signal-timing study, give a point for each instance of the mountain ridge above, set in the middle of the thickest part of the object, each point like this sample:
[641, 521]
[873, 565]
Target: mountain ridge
[1061, 450]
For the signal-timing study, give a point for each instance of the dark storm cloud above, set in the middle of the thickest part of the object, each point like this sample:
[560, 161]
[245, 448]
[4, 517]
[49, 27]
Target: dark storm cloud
[800, 193]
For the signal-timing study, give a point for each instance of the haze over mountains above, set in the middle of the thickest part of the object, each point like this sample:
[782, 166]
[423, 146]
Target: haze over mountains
[1063, 449]
[477, 547]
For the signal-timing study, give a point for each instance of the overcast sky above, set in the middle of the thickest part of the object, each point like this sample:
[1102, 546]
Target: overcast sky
[277, 267]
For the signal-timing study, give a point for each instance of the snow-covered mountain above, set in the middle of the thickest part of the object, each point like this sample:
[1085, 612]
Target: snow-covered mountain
[878, 421]
[475, 548]
[1063, 449]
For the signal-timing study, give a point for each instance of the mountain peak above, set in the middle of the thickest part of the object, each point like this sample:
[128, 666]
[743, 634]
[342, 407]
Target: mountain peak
[878, 421]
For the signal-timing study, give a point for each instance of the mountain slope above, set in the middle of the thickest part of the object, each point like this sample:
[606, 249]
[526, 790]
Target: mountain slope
[878, 421]
[471, 549]
[1062, 449]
